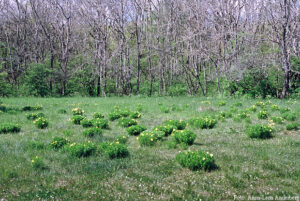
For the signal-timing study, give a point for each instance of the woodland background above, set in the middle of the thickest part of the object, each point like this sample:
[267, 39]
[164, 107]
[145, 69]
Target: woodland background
[150, 47]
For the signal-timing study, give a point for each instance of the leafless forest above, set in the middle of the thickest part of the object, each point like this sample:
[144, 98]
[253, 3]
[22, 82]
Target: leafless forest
[148, 46]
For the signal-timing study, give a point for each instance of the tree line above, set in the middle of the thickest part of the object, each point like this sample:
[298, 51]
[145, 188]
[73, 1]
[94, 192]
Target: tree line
[151, 47]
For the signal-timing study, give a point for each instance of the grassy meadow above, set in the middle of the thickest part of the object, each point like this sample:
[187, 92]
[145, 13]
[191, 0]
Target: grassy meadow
[245, 166]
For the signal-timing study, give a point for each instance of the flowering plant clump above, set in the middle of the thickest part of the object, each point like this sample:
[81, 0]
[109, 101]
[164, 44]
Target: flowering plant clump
[167, 129]
[253, 108]
[278, 120]
[122, 139]
[101, 123]
[76, 119]
[32, 108]
[98, 115]
[124, 122]
[80, 150]
[292, 126]
[179, 124]
[135, 115]
[263, 114]
[118, 113]
[275, 107]
[77, 111]
[196, 160]
[260, 104]
[203, 123]
[113, 150]
[243, 115]
[124, 112]
[136, 129]
[284, 110]
[91, 132]
[59, 142]
[41, 123]
[34, 116]
[259, 131]
[149, 138]
[86, 123]
[9, 128]
[184, 137]
[289, 116]
[221, 103]
[114, 115]
[37, 163]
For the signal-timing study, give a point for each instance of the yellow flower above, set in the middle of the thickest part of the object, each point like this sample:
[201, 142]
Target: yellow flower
[32, 161]
[203, 158]
[151, 139]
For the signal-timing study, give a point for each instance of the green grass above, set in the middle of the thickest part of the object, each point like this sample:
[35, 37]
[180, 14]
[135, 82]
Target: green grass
[246, 167]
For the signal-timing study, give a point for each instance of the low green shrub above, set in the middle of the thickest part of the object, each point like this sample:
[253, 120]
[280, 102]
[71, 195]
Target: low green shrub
[260, 104]
[136, 129]
[275, 107]
[77, 111]
[222, 103]
[91, 132]
[149, 138]
[164, 109]
[41, 123]
[184, 137]
[100, 123]
[196, 160]
[262, 114]
[253, 108]
[113, 116]
[122, 139]
[2, 108]
[135, 115]
[80, 150]
[243, 115]
[238, 104]
[289, 116]
[177, 108]
[125, 122]
[259, 131]
[35, 145]
[76, 119]
[284, 110]
[98, 115]
[34, 116]
[203, 123]
[278, 120]
[139, 107]
[113, 150]
[292, 126]
[37, 163]
[62, 111]
[124, 112]
[32, 108]
[9, 128]
[59, 142]
[179, 124]
[167, 129]
[118, 113]
[86, 123]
